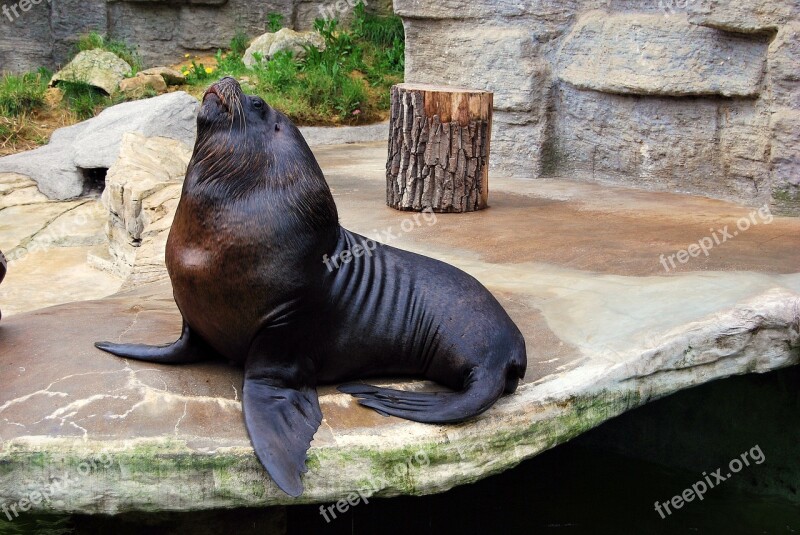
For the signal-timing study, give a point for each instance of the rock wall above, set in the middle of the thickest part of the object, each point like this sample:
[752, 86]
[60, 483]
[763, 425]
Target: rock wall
[697, 96]
[163, 30]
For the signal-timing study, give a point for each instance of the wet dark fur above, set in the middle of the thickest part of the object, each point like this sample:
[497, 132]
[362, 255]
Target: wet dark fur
[245, 256]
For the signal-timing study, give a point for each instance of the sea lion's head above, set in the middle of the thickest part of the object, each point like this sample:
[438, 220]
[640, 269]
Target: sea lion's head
[241, 138]
[245, 145]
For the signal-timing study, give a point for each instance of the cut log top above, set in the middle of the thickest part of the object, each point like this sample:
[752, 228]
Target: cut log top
[452, 104]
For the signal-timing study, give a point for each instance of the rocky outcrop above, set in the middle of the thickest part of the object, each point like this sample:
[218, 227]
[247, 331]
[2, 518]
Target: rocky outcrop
[62, 167]
[170, 76]
[46, 244]
[142, 191]
[140, 84]
[96, 68]
[697, 96]
[284, 40]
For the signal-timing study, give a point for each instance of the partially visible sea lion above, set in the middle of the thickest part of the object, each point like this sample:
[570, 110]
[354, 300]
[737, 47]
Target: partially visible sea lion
[264, 276]
[3, 267]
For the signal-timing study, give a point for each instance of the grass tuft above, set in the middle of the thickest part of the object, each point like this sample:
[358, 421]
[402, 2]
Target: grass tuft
[21, 94]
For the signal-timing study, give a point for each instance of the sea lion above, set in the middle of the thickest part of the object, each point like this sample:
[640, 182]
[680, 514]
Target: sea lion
[3, 267]
[264, 275]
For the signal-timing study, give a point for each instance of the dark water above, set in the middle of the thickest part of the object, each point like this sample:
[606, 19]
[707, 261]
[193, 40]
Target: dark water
[604, 482]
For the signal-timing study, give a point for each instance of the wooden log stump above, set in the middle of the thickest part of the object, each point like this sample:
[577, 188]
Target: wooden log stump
[439, 148]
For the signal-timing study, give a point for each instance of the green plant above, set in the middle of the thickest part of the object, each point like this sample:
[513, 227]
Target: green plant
[229, 64]
[378, 30]
[279, 72]
[384, 36]
[90, 41]
[20, 94]
[239, 44]
[198, 72]
[340, 46]
[94, 40]
[393, 58]
[83, 99]
[274, 22]
[349, 97]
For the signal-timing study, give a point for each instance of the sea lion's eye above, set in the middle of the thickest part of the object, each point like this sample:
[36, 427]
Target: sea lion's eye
[258, 104]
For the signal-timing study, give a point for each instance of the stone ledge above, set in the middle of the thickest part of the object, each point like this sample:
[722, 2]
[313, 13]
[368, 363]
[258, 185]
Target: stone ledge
[649, 54]
[743, 17]
[200, 468]
[577, 267]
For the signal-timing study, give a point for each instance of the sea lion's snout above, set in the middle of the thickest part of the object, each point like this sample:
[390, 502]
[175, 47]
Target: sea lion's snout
[225, 94]
[212, 91]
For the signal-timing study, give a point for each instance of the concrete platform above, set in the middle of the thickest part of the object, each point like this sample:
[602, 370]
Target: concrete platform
[578, 266]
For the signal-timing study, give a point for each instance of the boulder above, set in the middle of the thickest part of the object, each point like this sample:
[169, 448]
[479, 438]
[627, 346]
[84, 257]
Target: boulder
[170, 76]
[98, 68]
[59, 167]
[141, 83]
[269, 44]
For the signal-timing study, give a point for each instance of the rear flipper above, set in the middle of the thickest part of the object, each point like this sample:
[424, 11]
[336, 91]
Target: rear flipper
[480, 393]
[188, 348]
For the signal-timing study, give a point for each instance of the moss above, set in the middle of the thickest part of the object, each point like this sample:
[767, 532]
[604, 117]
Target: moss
[785, 196]
[235, 478]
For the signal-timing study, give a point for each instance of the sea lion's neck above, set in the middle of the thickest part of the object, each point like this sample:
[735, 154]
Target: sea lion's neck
[280, 173]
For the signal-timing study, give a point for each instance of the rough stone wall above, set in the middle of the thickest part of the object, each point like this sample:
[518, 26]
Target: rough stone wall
[697, 96]
[163, 30]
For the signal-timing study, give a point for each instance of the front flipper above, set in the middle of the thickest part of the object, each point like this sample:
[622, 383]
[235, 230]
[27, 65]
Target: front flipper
[281, 423]
[280, 419]
[188, 348]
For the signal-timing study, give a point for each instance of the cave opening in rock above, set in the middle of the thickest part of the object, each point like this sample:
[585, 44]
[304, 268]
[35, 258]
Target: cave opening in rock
[94, 181]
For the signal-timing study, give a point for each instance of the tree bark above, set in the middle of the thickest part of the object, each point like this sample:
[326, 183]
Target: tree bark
[439, 148]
